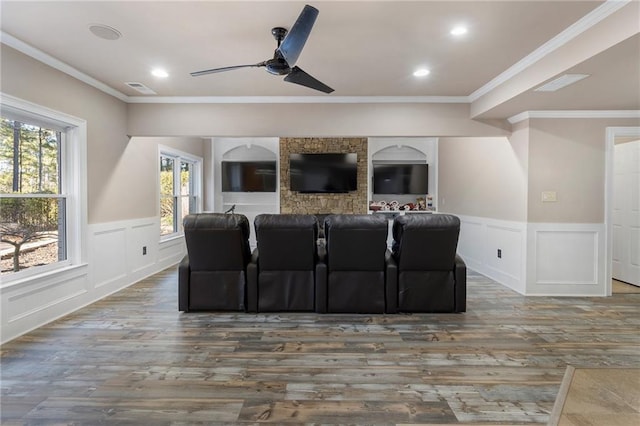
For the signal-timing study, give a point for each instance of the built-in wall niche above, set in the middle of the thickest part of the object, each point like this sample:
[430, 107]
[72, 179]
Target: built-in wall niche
[259, 198]
[409, 166]
[249, 169]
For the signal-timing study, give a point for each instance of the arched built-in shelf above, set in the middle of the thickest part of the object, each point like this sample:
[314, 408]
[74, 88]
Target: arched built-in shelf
[404, 151]
[249, 204]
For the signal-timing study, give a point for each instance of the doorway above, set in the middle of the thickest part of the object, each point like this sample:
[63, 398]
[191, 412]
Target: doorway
[622, 214]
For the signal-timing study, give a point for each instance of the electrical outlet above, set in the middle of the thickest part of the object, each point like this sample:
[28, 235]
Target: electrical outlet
[499, 253]
[549, 196]
[144, 250]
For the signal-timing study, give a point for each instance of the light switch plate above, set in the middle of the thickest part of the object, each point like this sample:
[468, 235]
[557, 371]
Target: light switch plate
[549, 196]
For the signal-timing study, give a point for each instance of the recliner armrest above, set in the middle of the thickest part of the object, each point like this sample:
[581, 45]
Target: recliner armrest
[184, 272]
[460, 277]
[391, 283]
[252, 282]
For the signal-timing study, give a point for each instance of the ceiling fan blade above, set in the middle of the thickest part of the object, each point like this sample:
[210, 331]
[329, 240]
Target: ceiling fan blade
[300, 77]
[296, 38]
[215, 70]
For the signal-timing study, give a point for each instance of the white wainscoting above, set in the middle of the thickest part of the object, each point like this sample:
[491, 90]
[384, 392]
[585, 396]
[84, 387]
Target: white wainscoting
[114, 261]
[480, 240]
[538, 259]
[566, 259]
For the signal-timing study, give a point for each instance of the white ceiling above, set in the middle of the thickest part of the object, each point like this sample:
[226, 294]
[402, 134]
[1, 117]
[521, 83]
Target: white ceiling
[360, 48]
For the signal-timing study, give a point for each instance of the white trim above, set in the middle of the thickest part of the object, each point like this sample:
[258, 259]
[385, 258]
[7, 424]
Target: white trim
[197, 175]
[47, 59]
[609, 168]
[578, 271]
[583, 24]
[74, 181]
[113, 264]
[556, 114]
[297, 99]
[480, 237]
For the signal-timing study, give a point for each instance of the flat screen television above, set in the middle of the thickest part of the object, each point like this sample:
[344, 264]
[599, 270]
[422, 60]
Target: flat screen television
[249, 176]
[401, 179]
[323, 172]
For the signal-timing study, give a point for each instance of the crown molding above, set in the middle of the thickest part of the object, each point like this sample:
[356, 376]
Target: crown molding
[574, 114]
[583, 24]
[586, 22]
[297, 99]
[47, 59]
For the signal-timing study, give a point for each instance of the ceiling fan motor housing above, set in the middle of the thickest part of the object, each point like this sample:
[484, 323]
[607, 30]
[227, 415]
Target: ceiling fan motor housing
[277, 65]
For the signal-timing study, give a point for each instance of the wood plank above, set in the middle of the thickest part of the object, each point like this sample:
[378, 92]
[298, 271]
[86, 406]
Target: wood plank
[133, 358]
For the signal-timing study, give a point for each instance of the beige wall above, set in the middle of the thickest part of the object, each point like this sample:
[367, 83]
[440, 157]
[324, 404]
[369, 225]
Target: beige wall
[483, 177]
[307, 120]
[106, 117]
[568, 157]
[481, 171]
[121, 174]
[137, 172]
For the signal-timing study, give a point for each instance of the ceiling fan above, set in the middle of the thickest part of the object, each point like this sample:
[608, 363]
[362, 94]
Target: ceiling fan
[290, 44]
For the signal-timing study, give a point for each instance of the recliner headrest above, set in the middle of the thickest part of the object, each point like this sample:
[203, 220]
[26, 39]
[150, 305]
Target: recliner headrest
[355, 221]
[431, 221]
[285, 221]
[216, 221]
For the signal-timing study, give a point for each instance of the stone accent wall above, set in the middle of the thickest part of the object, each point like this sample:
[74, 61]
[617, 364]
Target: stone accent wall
[351, 202]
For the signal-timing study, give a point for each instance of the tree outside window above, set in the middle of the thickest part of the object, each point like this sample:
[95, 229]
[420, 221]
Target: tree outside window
[178, 193]
[32, 205]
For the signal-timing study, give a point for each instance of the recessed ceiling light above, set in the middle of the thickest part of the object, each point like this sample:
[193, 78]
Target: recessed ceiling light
[421, 72]
[160, 73]
[104, 32]
[560, 82]
[459, 30]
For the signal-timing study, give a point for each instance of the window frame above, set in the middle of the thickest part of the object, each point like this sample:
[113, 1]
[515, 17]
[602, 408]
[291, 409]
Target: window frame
[73, 176]
[195, 185]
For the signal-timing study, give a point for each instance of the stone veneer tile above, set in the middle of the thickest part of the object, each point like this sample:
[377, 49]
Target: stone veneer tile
[295, 202]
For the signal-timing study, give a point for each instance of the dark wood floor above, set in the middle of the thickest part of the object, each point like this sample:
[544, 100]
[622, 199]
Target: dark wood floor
[134, 359]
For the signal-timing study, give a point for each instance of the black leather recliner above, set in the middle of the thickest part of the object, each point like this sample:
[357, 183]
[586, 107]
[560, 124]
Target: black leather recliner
[284, 269]
[212, 276]
[361, 273]
[431, 276]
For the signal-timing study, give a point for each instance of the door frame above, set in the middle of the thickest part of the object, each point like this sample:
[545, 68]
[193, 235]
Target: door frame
[611, 135]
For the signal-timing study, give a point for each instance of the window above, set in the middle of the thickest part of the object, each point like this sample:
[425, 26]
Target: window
[179, 189]
[39, 224]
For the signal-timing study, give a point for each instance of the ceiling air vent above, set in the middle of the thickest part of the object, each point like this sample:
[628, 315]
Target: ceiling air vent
[141, 88]
[560, 82]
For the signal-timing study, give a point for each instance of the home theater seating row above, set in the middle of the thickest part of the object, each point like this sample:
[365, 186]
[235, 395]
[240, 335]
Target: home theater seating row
[349, 270]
